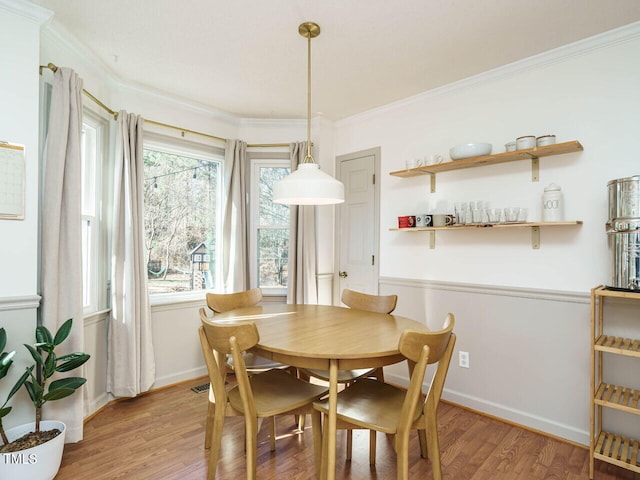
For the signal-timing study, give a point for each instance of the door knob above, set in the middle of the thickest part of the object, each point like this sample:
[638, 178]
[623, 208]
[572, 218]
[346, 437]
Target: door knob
[343, 274]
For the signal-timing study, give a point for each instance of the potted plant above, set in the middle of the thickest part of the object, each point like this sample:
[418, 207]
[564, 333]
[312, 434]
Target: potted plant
[36, 448]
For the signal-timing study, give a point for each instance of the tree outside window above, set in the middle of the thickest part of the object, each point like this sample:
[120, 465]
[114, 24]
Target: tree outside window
[181, 195]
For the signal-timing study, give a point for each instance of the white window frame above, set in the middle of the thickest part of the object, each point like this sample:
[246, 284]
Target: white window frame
[258, 161]
[177, 146]
[98, 277]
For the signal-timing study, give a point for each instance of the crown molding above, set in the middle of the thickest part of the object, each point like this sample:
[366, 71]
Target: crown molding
[62, 39]
[601, 41]
[181, 102]
[272, 122]
[28, 10]
[57, 35]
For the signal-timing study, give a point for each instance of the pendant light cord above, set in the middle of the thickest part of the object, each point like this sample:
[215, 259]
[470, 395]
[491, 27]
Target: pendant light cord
[308, 157]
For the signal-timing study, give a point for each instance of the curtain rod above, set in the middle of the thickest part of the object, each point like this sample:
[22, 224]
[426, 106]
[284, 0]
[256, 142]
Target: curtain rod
[54, 68]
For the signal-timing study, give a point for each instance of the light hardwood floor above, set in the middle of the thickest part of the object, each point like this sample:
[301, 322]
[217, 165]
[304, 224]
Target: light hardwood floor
[160, 436]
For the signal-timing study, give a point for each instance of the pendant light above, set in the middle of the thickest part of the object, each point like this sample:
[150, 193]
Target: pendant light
[308, 185]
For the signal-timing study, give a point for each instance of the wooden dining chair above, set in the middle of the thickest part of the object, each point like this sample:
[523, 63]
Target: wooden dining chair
[223, 302]
[255, 397]
[378, 406]
[259, 366]
[368, 303]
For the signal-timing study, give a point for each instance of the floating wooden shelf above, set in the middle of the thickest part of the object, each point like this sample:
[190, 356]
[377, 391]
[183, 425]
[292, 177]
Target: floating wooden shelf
[490, 225]
[532, 154]
[485, 160]
[535, 229]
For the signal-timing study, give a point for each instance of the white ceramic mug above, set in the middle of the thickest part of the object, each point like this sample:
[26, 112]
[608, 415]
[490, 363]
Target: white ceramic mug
[442, 219]
[434, 159]
[423, 220]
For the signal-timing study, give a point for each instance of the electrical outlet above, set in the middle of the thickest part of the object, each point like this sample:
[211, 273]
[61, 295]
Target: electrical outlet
[463, 359]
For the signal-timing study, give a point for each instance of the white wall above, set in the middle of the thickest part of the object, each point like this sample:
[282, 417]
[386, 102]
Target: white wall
[19, 45]
[529, 355]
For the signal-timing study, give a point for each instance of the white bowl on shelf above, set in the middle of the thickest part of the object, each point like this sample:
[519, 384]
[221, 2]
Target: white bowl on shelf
[468, 150]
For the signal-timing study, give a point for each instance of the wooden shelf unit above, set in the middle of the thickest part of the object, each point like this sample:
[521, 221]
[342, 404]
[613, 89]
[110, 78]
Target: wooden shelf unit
[607, 446]
[535, 229]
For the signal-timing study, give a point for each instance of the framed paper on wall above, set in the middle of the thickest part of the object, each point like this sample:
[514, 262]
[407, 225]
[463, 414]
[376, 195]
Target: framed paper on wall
[12, 181]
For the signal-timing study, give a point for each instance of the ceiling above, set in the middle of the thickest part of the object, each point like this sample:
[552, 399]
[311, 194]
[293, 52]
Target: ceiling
[246, 58]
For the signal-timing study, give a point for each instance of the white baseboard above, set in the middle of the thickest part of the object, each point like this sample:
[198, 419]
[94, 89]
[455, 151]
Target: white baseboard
[97, 403]
[543, 425]
[179, 377]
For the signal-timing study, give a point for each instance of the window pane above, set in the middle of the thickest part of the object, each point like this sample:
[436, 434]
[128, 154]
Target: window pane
[89, 153]
[273, 258]
[180, 197]
[272, 214]
[86, 263]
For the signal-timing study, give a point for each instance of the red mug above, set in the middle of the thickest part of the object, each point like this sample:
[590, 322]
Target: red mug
[407, 221]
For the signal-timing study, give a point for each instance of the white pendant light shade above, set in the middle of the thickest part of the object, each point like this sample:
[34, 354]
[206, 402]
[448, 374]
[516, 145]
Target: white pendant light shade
[308, 185]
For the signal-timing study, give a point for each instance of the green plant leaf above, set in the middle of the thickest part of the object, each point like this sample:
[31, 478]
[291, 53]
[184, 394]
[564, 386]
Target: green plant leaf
[3, 339]
[70, 382]
[33, 394]
[4, 411]
[49, 365]
[47, 347]
[58, 394]
[20, 382]
[72, 361]
[43, 335]
[5, 358]
[5, 362]
[35, 355]
[63, 332]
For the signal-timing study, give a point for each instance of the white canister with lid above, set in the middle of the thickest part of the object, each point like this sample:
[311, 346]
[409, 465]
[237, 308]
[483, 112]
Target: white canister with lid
[552, 204]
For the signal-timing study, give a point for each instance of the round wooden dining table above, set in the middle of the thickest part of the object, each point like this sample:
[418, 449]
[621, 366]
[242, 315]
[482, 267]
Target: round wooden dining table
[325, 337]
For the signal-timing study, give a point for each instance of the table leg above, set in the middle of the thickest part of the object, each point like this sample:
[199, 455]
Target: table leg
[329, 447]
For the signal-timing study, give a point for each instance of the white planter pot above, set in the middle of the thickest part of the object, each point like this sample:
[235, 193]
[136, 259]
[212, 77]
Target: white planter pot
[37, 463]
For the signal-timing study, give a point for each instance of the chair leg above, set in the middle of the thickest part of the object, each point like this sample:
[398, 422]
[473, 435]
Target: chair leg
[251, 446]
[215, 441]
[422, 439]
[402, 454]
[302, 418]
[209, 425]
[349, 443]
[272, 433]
[325, 448]
[379, 374]
[316, 426]
[372, 447]
[434, 448]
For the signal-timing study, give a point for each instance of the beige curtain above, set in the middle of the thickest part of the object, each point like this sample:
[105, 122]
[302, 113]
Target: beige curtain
[61, 277]
[235, 265]
[130, 358]
[302, 243]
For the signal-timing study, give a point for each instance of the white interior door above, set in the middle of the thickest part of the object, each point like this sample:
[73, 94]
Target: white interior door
[357, 222]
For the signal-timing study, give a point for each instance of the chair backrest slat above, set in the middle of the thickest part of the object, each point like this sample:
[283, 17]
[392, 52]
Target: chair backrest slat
[223, 302]
[369, 303]
[422, 349]
[219, 339]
